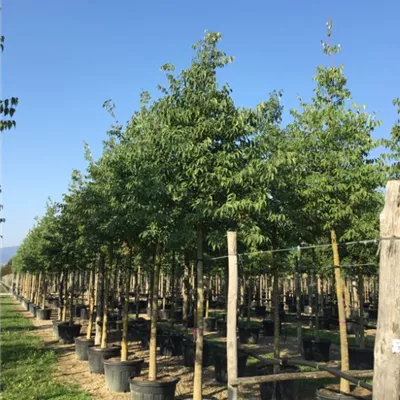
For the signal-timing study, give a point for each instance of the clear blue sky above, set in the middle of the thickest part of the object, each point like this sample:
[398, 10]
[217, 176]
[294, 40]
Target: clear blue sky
[63, 59]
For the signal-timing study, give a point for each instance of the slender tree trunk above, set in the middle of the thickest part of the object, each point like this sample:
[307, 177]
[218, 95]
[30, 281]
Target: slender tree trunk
[38, 292]
[198, 365]
[347, 298]
[298, 307]
[361, 305]
[186, 287]
[344, 349]
[276, 312]
[124, 342]
[173, 294]
[91, 303]
[99, 300]
[137, 291]
[44, 292]
[105, 313]
[154, 315]
[65, 297]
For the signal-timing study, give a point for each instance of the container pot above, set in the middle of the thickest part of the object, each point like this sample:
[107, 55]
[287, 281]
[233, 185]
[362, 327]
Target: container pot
[281, 390]
[67, 333]
[171, 345]
[221, 328]
[43, 314]
[81, 347]
[190, 321]
[178, 316]
[56, 324]
[78, 309]
[209, 324]
[84, 314]
[260, 311]
[164, 314]
[117, 374]
[361, 358]
[317, 350]
[269, 327]
[189, 349]
[32, 308]
[153, 390]
[351, 327]
[220, 366]
[372, 313]
[97, 355]
[248, 334]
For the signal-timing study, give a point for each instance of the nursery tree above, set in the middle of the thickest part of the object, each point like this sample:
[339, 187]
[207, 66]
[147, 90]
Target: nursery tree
[339, 175]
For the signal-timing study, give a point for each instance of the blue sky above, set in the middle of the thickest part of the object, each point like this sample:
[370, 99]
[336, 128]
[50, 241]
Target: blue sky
[63, 59]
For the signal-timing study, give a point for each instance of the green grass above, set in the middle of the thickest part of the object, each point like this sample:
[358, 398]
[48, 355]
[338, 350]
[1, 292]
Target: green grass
[26, 365]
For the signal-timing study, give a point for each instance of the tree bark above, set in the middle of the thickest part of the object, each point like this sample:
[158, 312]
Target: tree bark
[124, 341]
[198, 365]
[298, 308]
[99, 300]
[154, 315]
[344, 349]
[91, 304]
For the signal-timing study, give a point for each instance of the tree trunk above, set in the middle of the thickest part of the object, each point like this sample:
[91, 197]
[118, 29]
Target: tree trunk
[361, 307]
[91, 303]
[173, 294]
[186, 287]
[124, 341]
[298, 307]
[198, 365]
[276, 311]
[347, 298]
[105, 313]
[65, 296]
[71, 301]
[344, 349]
[99, 300]
[154, 315]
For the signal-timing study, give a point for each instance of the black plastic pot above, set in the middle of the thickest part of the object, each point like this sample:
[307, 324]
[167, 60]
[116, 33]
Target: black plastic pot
[153, 390]
[32, 309]
[372, 314]
[117, 374]
[220, 366]
[96, 356]
[84, 315]
[77, 310]
[281, 390]
[209, 324]
[164, 314]
[248, 335]
[171, 345]
[361, 358]
[316, 350]
[56, 325]
[221, 328]
[188, 349]
[81, 347]
[269, 327]
[337, 396]
[43, 314]
[67, 333]
[260, 311]
[26, 304]
[190, 321]
[178, 316]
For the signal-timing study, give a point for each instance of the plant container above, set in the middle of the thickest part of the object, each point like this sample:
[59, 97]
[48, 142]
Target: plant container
[178, 316]
[44, 314]
[269, 327]
[260, 311]
[249, 334]
[67, 333]
[281, 390]
[220, 366]
[97, 355]
[171, 345]
[118, 373]
[81, 347]
[32, 309]
[316, 350]
[221, 328]
[372, 313]
[361, 358]
[162, 389]
[164, 314]
[189, 354]
[209, 324]
[56, 325]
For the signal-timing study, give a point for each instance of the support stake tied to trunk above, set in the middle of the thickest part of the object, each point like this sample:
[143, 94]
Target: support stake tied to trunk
[387, 341]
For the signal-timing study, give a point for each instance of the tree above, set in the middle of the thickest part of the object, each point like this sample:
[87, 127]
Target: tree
[340, 177]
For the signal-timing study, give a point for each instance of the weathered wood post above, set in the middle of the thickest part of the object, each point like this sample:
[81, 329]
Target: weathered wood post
[231, 337]
[386, 384]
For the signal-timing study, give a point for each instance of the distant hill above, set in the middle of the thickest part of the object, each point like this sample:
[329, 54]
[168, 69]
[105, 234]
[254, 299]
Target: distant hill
[6, 253]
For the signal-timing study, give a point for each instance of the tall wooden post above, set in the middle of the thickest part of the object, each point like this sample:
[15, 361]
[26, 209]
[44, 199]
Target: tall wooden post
[387, 342]
[231, 337]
